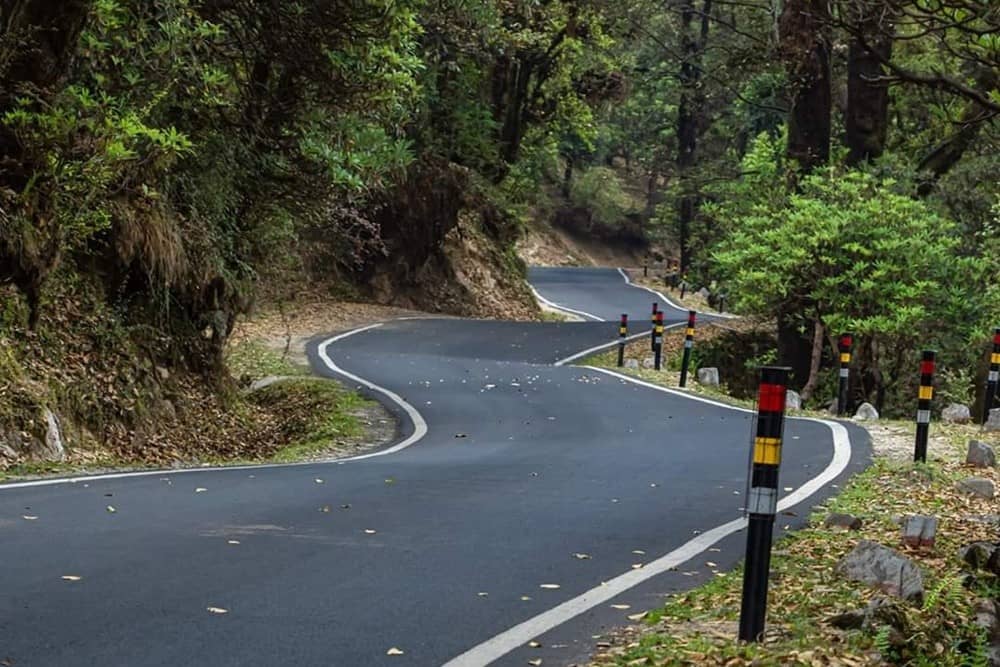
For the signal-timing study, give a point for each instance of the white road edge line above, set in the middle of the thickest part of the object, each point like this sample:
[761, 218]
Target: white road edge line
[673, 303]
[419, 431]
[522, 633]
[605, 346]
[555, 306]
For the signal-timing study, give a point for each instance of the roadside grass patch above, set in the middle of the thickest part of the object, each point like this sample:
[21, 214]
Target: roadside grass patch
[315, 416]
[253, 360]
[699, 627]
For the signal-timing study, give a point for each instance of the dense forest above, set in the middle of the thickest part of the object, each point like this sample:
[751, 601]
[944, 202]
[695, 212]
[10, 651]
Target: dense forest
[831, 165]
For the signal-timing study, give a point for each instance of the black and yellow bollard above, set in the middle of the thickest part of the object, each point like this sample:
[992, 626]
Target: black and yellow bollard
[762, 502]
[688, 344]
[652, 327]
[622, 336]
[990, 397]
[845, 344]
[658, 341]
[924, 405]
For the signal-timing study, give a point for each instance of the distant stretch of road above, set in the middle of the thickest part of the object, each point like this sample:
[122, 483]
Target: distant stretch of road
[520, 501]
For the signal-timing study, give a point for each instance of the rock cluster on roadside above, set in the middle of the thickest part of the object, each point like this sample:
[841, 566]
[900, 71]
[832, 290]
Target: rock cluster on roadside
[792, 400]
[884, 568]
[632, 363]
[708, 377]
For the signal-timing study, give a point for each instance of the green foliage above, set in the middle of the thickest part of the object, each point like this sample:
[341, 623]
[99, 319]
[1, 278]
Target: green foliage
[601, 191]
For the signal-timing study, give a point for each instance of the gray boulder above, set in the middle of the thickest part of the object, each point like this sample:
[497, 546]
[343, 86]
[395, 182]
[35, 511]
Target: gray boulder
[919, 530]
[704, 293]
[979, 487]
[884, 568]
[980, 455]
[648, 362]
[845, 521]
[993, 422]
[631, 363]
[792, 400]
[708, 377]
[866, 412]
[956, 413]
[981, 556]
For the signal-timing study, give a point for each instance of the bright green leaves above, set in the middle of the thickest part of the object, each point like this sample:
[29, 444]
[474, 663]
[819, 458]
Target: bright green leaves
[847, 249]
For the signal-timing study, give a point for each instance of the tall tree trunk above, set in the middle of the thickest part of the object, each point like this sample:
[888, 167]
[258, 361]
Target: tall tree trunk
[805, 51]
[689, 114]
[867, 117]
[815, 359]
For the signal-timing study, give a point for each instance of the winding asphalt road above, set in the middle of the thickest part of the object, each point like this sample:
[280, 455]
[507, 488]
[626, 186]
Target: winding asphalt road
[511, 475]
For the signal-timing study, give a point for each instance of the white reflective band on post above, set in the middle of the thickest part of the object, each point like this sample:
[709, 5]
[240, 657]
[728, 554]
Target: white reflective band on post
[762, 500]
[688, 343]
[844, 372]
[994, 375]
[923, 416]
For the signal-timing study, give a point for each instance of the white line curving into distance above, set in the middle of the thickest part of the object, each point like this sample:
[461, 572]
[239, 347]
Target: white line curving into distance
[674, 304]
[555, 306]
[522, 633]
[605, 346]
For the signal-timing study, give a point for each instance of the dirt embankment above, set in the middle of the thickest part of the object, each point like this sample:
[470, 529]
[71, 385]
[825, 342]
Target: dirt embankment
[543, 245]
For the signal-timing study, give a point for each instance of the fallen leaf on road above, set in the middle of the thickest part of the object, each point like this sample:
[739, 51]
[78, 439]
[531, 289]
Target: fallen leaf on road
[346, 507]
[111, 509]
[550, 586]
[325, 509]
[525, 598]
[71, 577]
[217, 610]
[636, 566]
[390, 480]
[637, 617]
[639, 552]
[369, 531]
[394, 651]
[232, 541]
[581, 556]
[710, 563]
[620, 607]
[534, 644]
[483, 594]
[28, 517]
[461, 435]
[536, 662]
[318, 480]
[200, 489]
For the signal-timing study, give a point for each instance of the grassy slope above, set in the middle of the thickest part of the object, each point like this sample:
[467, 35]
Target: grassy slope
[699, 627]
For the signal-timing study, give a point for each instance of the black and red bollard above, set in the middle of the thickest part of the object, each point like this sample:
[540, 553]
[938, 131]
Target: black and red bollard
[845, 344]
[652, 327]
[622, 336]
[991, 380]
[658, 341]
[924, 405]
[688, 344]
[762, 501]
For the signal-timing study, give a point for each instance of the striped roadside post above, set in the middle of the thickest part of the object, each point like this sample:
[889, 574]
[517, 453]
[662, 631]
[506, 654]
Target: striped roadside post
[762, 501]
[845, 345]
[924, 404]
[688, 344]
[622, 335]
[991, 380]
[652, 326]
[658, 341]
